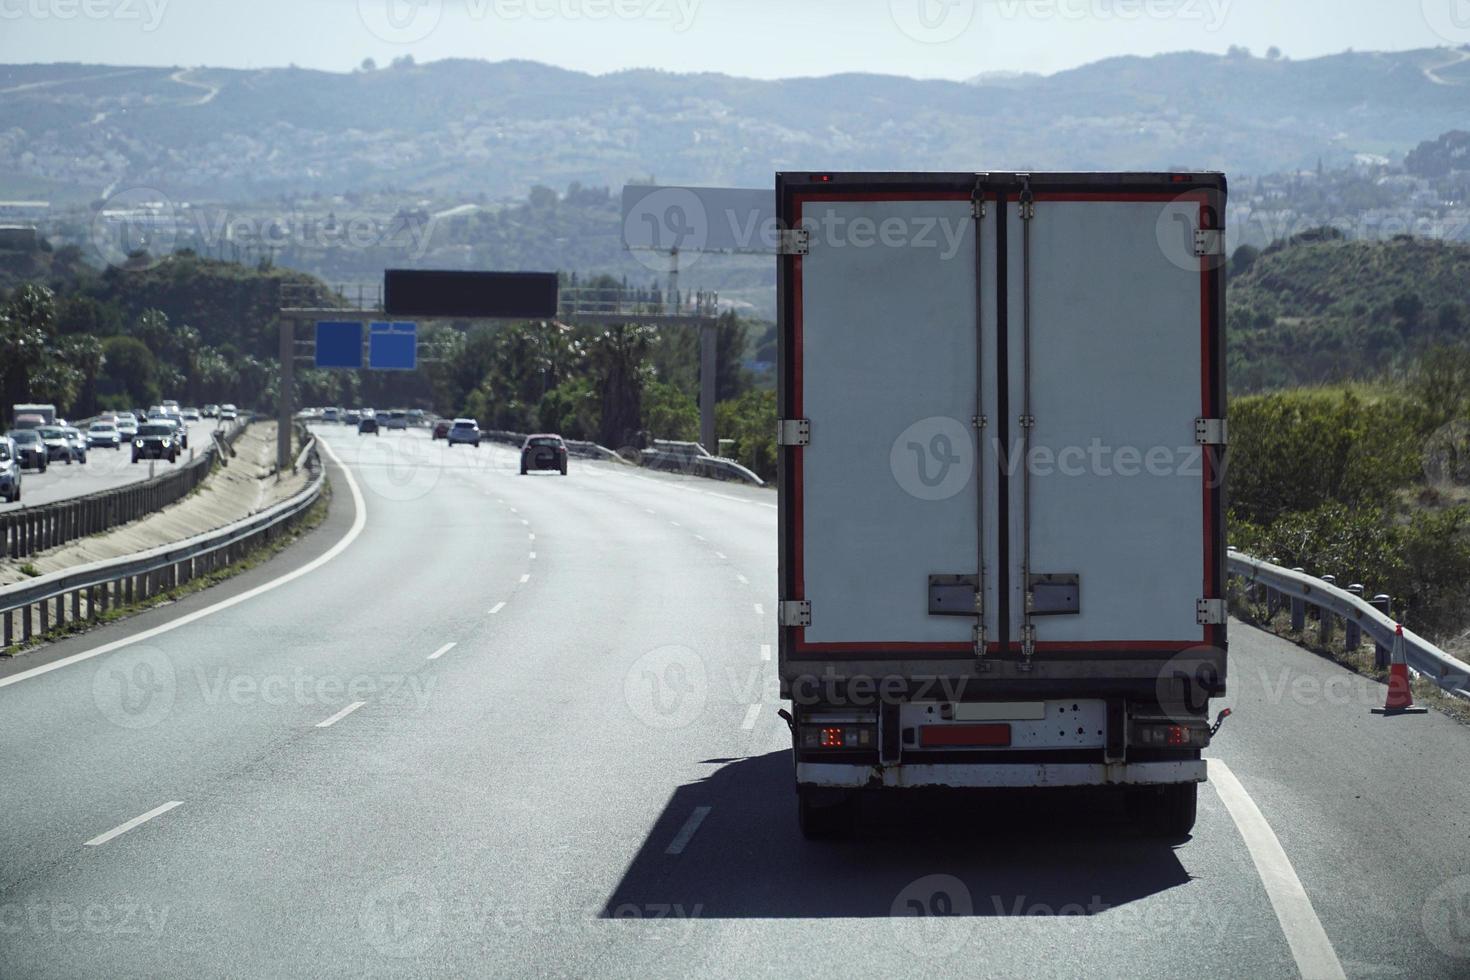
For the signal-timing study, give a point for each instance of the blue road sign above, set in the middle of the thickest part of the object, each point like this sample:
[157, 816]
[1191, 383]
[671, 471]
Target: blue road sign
[338, 344]
[393, 346]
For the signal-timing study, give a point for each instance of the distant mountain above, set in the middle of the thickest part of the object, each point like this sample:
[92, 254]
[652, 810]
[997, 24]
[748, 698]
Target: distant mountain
[77, 132]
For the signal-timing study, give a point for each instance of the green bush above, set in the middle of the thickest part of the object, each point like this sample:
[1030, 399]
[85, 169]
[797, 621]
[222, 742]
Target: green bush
[1296, 451]
[668, 413]
[750, 420]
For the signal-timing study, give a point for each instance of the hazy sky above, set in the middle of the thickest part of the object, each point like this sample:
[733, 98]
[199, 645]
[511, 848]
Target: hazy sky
[760, 38]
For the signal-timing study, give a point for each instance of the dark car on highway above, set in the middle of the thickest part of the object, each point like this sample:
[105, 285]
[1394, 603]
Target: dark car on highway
[368, 423]
[441, 429]
[156, 440]
[29, 449]
[544, 451]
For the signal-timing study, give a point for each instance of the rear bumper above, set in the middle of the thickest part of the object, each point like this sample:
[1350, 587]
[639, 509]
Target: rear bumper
[1001, 775]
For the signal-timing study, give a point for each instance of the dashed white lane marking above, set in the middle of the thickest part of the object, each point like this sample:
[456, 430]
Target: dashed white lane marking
[686, 832]
[760, 610]
[742, 578]
[765, 651]
[525, 522]
[514, 511]
[525, 578]
[1309, 944]
[341, 714]
[750, 715]
[531, 536]
[496, 608]
[699, 537]
[441, 651]
[675, 524]
[359, 521]
[123, 828]
[720, 555]
[533, 556]
[649, 510]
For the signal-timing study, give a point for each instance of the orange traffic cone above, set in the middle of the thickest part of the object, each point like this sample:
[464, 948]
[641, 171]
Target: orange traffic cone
[1400, 699]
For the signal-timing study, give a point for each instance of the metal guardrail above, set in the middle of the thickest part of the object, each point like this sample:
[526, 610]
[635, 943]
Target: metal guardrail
[689, 458]
[1294, 586]
[86, 591]
[32, 529]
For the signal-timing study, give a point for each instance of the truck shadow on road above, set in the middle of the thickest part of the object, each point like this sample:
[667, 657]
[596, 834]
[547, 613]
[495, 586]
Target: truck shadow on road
[986, 853]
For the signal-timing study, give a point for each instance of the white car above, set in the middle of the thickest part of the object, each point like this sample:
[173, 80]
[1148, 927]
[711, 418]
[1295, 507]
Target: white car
[466, 431]
[228, 413]
[104, 434]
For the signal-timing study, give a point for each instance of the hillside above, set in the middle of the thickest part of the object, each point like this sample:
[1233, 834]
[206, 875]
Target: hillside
[1308, 312]
[73, 132]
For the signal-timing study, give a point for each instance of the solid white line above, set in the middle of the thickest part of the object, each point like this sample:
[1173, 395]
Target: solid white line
[441, 651]
[123, 828]
[681, 840]
[750, 716]
[358, 523]
[760, 610]
[341, 714]
[1309, 944]
[525, 578]
[742, 578]
[496, 608]
[765, 651]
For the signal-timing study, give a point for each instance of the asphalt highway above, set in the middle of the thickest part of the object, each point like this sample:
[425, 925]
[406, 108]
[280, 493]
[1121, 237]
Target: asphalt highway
[104, 469]
[522, 726]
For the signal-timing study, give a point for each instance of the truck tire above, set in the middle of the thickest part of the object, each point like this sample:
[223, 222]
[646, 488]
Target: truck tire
[823, 818]
[1165, 812]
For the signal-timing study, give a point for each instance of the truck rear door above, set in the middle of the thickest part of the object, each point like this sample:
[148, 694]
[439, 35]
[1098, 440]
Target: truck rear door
[1002, 399]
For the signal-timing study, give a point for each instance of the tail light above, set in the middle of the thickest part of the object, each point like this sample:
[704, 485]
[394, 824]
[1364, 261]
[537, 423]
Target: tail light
[1172, 736]
[838, 736]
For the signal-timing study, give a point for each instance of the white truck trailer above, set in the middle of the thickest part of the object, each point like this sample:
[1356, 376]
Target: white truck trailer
[1001, 407]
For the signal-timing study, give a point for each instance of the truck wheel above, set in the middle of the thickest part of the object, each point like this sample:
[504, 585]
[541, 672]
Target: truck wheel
[823, 816]
[1166, 812]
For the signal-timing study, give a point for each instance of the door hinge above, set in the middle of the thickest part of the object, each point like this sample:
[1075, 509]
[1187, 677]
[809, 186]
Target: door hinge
[794, 432]
[977, 206]
[796, 612]
[1027, 421]
[979, 421]
[1028, 641]
[1209, 241]
[1209, 612]
[794, 241]
[1211, 432]
[978, 637]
